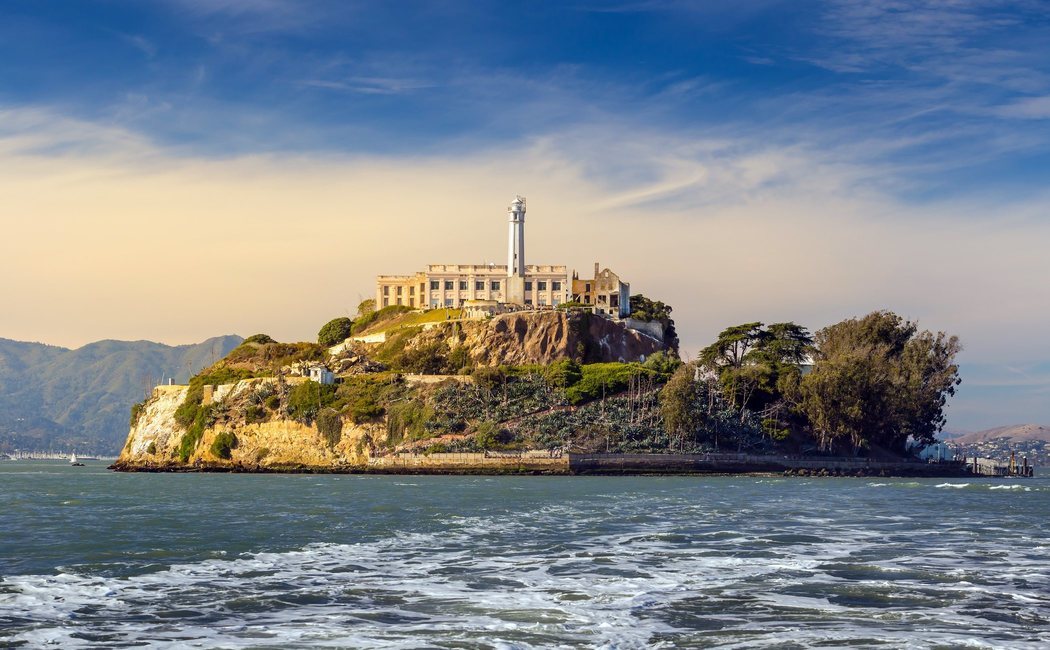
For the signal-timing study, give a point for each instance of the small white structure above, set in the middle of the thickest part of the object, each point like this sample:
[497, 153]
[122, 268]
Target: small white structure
[321, 375]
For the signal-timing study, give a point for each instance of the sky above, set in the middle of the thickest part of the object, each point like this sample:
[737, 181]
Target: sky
[179, 169]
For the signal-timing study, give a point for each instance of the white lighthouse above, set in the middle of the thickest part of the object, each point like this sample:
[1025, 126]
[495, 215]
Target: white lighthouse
[516, 239]
[516, 251]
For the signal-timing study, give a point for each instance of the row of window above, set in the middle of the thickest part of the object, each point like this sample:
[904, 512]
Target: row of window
[479, 285]
[450, 285]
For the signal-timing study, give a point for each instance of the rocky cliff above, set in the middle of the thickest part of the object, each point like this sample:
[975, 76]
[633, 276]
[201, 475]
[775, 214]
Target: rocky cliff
[280, 443]
[541, 338]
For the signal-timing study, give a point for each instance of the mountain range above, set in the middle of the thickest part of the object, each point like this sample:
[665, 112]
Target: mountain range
[57, 398]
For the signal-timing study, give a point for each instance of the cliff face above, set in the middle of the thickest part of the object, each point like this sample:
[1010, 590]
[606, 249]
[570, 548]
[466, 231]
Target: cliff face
[155, 438]
[544, 337]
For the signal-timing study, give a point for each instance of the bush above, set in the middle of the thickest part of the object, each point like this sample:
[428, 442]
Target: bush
[330, 426]
[662, 363]
[254, 413]
[563, 373]
[490, 436]
[136, 413]
[407, 420]
[222, 445]
[261, 339]
[335, 331]
[152, 449]
[273, 402]
[362, 396]
[307, 399]
[489, 378]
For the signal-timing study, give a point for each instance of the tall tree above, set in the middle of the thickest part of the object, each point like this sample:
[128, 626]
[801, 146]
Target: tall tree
[876, 381]
[751, 359]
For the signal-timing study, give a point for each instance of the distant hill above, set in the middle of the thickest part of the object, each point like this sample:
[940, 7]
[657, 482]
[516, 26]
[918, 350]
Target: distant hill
[54, 397]
[1014, 432]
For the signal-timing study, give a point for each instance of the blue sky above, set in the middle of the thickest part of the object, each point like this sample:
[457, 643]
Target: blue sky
[916, 132]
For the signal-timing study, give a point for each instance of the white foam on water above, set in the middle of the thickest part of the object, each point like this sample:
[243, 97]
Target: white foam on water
[540, 578]
[957, 486]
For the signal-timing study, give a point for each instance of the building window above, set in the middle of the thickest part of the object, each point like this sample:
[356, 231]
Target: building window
[528, 302]
[422, 290]
[556, 285]
[479, 285]
[399, 300]
[494, 286]
[543, 285]
[528, 285]
[449, 285]
[543, 302]
[462, 285]
[587, 287]
[435, 285]
[433, 304]
[386, 302]
[412, 290]
[386, 291]
[448, 302]
[399, 290]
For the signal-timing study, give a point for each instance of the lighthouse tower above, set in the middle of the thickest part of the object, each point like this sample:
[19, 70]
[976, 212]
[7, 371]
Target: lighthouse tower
[516, 252]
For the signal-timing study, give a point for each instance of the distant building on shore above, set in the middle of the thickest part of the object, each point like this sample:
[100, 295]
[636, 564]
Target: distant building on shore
[493, 288]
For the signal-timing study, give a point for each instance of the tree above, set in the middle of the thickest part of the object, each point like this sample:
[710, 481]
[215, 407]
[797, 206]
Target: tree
[752, 360]
[647, 310]
[683, 405]
[876, 381]
[335, 331]
[366, 307]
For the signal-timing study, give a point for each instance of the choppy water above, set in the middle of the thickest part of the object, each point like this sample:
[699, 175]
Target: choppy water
[89, 557]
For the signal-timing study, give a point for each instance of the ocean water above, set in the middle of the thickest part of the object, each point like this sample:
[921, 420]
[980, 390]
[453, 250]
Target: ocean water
[93, 558]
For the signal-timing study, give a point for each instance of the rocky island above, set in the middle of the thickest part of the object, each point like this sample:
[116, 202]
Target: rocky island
[546, 391]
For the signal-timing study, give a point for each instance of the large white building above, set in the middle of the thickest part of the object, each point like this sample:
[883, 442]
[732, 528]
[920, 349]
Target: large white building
[515, 283]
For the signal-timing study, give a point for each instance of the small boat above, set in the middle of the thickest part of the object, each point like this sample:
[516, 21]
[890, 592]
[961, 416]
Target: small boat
[73, 462]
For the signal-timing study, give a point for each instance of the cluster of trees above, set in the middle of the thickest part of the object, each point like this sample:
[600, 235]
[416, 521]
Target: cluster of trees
[863, 385]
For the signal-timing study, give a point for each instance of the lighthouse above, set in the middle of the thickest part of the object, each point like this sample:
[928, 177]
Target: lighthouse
[516, 239]
[516, 251]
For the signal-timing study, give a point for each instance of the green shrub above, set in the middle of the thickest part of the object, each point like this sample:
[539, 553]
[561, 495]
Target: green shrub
[224, 442]
[459, 358]
[662, 363]
[362, 396]
[489, 378]
[490, 436]
[152, 449]
[273, 402]
[330, 426]
[255, 413]
[436, 448]
[136, 413]
[202, 419]
[307, 399]
[335, 331]
[261, 339]
[407, 420]
[563, 373]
